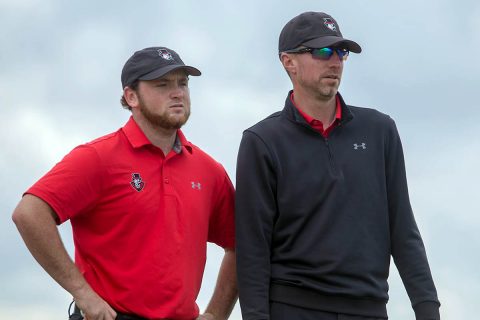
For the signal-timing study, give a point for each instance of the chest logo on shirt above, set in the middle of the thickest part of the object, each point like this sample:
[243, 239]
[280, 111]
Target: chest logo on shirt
[137, 182]
[357, 146]
[196, 185]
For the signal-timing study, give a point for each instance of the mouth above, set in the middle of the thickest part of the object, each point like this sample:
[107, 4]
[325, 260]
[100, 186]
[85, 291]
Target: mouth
[176, 106]
[332, 76]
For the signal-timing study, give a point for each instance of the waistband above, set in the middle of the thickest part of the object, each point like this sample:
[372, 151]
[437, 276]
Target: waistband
[77, 315]
[307, 298]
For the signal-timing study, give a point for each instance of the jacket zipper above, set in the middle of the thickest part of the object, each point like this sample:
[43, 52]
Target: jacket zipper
[330, 156]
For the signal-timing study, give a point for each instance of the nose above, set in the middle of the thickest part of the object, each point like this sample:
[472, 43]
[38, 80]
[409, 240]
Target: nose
[336, 58]
[335, 61]
[177, 92]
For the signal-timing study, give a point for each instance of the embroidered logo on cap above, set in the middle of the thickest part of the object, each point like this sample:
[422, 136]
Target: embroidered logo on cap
[165, 54]
[330, 24]
[137, 182]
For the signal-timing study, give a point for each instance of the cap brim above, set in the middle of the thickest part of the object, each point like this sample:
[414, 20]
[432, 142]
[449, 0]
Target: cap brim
[163, 71]
[327, 41]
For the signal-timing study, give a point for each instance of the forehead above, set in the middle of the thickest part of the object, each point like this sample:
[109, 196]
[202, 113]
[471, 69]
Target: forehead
[173, 75]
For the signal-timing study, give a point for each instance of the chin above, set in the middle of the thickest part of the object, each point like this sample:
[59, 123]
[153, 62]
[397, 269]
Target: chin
[177, 123]
[327, 93]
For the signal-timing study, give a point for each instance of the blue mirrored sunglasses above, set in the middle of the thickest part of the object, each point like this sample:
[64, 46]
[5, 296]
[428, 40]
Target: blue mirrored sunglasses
[323, 53]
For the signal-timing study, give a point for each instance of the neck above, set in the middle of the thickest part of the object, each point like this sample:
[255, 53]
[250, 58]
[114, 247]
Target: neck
[319, 107]
[158, 136]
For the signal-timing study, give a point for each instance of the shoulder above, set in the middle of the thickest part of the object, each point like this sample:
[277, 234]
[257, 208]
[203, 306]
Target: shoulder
[105, 141]
[266, 124]
[265, 130]
[107, 146]
[369, 113]
[371, 116]
[92, 156]
[373, 121]
[210, 169]
[205, 160]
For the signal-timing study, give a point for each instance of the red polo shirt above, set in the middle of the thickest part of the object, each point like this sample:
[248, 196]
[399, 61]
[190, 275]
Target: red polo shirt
[141, 220]
[317, 124]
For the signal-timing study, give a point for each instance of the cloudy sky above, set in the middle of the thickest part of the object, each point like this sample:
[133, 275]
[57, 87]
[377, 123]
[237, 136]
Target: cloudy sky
[60, 64]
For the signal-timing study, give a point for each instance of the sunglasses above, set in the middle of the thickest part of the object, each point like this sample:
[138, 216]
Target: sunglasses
[323, 53]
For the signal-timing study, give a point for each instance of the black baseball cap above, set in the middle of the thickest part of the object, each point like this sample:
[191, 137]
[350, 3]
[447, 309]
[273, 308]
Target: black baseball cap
[152, 63]
[313, 30]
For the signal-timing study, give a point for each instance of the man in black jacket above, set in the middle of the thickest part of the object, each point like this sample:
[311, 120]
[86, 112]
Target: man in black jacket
[322, 200]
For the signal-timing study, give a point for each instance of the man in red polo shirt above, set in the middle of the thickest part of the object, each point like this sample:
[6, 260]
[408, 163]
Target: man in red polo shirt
[322, 202]
[143, 202]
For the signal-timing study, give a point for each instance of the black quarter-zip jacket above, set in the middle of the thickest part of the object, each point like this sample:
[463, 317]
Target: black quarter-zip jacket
[317, 219]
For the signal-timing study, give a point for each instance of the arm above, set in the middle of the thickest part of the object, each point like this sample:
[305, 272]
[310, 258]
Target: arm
[225, 294]
[36, 222]
[408, 250]
[255, 211]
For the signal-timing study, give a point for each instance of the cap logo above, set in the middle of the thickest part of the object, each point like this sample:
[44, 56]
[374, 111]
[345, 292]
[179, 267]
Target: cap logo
[330, 24]
[165, 54]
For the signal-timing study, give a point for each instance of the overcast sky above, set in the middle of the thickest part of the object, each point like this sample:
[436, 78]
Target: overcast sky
[60, 64]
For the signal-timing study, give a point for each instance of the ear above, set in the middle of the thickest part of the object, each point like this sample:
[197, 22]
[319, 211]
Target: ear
[289, 62]
[131, 97]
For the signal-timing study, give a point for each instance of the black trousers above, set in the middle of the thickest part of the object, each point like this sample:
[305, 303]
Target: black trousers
[76, 315]
[282, 311]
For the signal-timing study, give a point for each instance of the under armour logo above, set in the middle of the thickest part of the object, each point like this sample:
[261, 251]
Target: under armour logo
[362, 145]
[196, 185]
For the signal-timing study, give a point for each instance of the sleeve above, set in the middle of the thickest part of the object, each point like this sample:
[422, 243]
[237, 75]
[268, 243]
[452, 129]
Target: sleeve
[255, 210]
[408, 250]
[72, 186]
[221, 229]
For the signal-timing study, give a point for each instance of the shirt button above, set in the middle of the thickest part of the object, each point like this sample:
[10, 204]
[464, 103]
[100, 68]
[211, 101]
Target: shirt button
[166, 180]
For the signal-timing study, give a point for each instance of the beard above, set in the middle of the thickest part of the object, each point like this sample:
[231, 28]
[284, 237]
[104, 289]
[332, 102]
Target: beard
[164, 120]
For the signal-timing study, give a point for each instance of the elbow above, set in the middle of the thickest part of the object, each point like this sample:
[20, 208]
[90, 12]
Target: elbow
[31, 212]
[20, 216]
[15, 217]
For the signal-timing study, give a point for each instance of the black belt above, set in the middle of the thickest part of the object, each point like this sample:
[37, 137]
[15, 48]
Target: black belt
[77, 315]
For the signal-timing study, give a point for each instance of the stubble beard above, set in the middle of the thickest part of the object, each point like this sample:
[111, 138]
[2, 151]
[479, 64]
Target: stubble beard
[320, 89]
[326, 91]
[164, 120]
